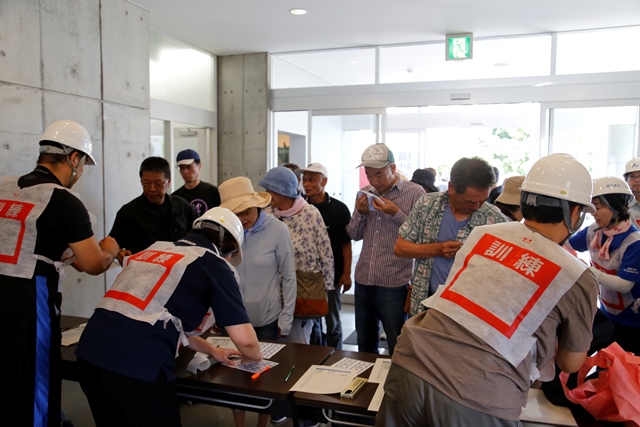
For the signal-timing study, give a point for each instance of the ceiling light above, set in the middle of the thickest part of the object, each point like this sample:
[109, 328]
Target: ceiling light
[298, 12]
[501, 64]
[354, 62]
[543, 84]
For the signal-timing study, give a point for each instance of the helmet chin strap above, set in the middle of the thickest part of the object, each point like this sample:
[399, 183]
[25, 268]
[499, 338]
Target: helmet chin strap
[215, 227]
[566, 213]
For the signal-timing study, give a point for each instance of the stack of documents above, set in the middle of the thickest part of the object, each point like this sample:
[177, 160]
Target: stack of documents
[320, 379]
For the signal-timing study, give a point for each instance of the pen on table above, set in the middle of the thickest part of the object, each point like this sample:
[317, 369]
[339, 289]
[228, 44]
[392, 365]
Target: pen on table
[257, 374]
[289, 374]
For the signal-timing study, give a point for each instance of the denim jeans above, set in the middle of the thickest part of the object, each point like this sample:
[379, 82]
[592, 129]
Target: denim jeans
[334, 324]
[375, 304]
[267, 332]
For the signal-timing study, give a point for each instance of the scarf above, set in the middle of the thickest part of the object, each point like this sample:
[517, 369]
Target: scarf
[257, 225]
[604, 248]
[298, 205]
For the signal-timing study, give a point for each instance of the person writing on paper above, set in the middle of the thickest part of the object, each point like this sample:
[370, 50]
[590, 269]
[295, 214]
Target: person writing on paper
[51, 219]
[613, 243]
[513, 301]
[164, 298]
[268, 273]
[382, 279]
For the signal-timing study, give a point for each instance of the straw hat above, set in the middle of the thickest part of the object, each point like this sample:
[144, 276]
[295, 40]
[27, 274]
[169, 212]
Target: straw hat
[511, 191]
[237, 195]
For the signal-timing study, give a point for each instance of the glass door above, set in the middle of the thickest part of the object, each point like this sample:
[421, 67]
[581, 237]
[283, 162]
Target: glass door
[602, 138]
[337, 141]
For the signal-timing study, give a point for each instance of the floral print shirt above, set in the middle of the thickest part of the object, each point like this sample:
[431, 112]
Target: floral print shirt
[311, 243]
[423, 226]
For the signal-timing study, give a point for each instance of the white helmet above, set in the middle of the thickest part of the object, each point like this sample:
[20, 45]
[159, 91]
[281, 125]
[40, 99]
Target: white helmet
[610, 185]
[632, 165]
[229, 221]
[560, 176]
[68, 134]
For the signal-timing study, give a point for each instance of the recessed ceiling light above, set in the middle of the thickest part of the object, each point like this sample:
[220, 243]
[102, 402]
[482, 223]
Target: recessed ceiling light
[543, 84]
[298, 12]
[354, 62]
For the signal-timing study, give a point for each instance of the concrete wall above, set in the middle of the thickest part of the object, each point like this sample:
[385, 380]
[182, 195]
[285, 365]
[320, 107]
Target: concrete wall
[88, 61]
[243, 116]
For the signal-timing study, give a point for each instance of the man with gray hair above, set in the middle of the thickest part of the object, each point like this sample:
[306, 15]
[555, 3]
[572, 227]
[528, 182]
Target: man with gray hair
[439, 224]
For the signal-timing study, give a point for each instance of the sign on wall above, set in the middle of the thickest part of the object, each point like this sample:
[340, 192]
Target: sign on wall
[459, 46]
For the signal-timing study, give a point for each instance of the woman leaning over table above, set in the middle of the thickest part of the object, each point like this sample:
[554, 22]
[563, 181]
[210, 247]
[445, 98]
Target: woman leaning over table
[614, 246]
[267, 275]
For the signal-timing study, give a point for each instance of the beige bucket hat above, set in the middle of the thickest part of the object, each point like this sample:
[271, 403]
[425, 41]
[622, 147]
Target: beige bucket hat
[511, 191]
[237, 195]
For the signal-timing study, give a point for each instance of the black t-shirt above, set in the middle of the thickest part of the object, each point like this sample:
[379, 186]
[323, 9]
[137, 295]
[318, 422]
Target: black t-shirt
[494, 194]
[336, 216]
[65, 219]
[140, 223]
[202, 197]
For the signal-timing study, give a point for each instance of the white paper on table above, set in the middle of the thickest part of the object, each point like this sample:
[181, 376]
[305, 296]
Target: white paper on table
[268, 349]
[72, 335]
[380, 371]
[376, 400]
[358, 365]
[254, 367]
[200, 362]
[324, 380]
[540, 410]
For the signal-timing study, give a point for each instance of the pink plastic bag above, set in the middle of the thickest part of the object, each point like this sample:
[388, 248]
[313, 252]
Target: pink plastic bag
[615, 394]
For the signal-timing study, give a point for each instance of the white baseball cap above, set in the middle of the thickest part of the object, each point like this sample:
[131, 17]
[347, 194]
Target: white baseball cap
[313, 167]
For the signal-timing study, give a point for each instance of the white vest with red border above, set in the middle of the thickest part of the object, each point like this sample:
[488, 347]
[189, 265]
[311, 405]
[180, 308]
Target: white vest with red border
[614, 302]
[20, 209]
[504, 282]
[148, 280]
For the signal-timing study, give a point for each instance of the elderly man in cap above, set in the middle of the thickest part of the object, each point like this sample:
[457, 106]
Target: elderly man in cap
[336, 216]
[202, 195]
[382, 279]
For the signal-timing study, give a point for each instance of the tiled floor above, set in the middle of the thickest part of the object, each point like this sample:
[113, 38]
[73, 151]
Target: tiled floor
[193, 415]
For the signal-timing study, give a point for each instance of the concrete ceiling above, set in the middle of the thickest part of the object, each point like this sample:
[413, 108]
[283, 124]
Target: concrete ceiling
[226, 27]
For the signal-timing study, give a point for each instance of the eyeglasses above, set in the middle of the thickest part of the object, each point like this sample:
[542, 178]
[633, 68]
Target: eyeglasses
[159, 184]
[633, 176]
[244, 213]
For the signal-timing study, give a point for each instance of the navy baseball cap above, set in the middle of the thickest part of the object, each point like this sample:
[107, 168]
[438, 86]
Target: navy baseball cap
[188, 156]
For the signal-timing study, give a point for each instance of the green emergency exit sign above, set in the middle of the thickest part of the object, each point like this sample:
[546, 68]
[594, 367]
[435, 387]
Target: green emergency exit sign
[459, 46]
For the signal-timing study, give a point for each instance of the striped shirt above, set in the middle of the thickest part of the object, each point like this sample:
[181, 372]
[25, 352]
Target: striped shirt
[377, 265]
